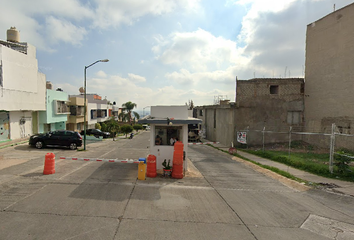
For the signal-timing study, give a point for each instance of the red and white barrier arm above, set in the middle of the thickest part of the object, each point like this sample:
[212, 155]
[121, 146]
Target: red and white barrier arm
[101, 160]
[201, 143]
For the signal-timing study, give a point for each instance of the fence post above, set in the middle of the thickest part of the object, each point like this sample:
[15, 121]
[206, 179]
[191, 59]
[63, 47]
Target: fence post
[331, 149]
[263, 137]
[291, 128]
[247, 130]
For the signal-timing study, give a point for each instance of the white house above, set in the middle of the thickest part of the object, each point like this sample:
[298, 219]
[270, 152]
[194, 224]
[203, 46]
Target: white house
[167, 122]
[22, 88]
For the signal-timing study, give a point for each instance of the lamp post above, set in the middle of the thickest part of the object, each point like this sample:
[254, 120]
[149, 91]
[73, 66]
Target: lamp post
[144, 109]
[85, 107]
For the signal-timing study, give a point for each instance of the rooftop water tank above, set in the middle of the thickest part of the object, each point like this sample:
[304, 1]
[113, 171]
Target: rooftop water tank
[49, 85]
[13, 35]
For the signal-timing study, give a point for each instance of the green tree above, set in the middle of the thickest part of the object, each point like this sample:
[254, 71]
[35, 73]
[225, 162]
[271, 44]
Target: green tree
[126, 114]
[126, 129]
[112, 126]
[104, 127]
[98, 126]
[137, 127]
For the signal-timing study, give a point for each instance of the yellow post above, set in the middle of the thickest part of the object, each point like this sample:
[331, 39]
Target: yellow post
[142, 170]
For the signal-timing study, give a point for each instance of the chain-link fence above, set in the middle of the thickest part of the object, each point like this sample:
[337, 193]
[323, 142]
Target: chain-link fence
[329, 147]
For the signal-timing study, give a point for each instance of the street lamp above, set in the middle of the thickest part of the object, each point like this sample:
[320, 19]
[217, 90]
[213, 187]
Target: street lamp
[85, 107]
[144, 109]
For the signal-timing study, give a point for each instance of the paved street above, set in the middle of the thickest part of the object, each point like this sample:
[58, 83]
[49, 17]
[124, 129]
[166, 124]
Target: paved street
[98, 200]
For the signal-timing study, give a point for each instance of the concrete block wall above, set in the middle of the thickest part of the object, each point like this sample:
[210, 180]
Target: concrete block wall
[329, 73]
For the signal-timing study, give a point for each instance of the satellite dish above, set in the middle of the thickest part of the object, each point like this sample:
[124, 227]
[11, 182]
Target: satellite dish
[82, 90]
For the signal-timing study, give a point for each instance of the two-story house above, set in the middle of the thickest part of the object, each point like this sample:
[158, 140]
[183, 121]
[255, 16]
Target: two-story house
[22, 88]
[76, 118]
[98, 109]
[57, 110]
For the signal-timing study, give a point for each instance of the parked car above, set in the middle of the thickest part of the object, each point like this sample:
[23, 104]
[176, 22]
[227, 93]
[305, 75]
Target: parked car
[96, 132]
[61, 138]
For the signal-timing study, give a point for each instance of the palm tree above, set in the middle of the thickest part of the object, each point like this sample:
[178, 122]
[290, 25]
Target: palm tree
[126, 114]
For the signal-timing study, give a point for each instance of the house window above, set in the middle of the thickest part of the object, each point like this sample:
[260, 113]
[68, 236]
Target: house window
[93, 114]
[302, 88]
[101, 113]
[61, 107]
[294, 118]
[274, 89]
[201, 112]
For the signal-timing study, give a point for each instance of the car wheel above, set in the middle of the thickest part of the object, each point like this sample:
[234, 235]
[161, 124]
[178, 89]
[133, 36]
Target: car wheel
[72, 146]
[39, 144]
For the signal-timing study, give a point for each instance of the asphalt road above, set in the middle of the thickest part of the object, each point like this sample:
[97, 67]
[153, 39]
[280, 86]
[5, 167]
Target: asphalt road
[101, 200]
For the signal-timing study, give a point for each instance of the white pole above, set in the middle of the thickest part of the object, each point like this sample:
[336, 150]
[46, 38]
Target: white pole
[331, 150]
[263, 137]
[291, 128]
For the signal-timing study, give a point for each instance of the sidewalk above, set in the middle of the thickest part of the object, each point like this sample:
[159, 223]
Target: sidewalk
[335, 185]
[14, 142]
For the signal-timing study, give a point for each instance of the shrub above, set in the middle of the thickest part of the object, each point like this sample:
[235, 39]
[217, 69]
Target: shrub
[342, 160]
[137, 127]
[126, 129]
[104, 127]
[98, 126]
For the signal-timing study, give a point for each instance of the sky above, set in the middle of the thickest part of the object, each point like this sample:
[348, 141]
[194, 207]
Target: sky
[164, 52]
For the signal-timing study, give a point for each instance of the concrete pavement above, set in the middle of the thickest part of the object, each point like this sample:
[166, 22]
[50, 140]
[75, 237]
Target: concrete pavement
[97, 200]
[328, 184]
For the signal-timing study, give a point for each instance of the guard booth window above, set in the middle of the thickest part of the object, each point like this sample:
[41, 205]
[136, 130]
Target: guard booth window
[165, 133]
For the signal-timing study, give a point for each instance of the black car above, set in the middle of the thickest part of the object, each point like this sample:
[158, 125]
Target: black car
[63, 138]
[96, 132]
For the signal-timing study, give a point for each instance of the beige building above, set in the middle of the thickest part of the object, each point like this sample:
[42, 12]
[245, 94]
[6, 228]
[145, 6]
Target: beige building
[271, 103]
[76, 118]
[329, 74]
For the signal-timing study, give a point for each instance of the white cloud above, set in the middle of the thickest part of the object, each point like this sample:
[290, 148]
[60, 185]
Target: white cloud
[136, 78]
[101, 74]
[202, 57]
[64, 20]
[202, 78]
[113, 13]
[121, 90]
[199, 50]
[271, 43]
[62, 30]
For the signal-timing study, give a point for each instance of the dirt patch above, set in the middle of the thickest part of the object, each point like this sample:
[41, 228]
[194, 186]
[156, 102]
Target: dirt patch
[286, 181]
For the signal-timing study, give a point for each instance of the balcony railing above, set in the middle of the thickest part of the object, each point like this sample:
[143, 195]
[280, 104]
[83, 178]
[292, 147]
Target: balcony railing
[77, 111]
[61, 107]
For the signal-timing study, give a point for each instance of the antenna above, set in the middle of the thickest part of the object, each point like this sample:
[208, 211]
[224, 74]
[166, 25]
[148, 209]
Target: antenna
[334, 7]
[286, 68]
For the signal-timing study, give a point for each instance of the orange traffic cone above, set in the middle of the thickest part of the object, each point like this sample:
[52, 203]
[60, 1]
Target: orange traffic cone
[49, 164]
